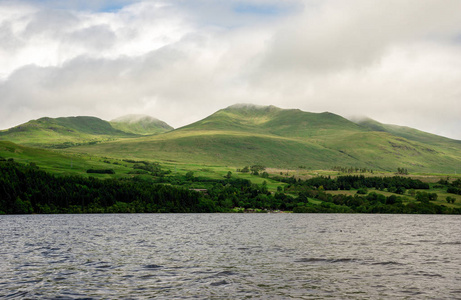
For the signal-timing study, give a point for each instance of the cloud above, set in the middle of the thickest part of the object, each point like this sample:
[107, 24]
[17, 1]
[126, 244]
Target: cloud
[397, 62]
[355, 34]
[50, 37]
[93, 6]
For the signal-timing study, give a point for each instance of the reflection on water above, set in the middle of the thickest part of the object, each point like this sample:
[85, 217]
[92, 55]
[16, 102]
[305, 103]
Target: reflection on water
[270, 256]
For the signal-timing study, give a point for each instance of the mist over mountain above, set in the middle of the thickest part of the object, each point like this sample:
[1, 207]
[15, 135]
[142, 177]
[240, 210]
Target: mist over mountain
[140, 124]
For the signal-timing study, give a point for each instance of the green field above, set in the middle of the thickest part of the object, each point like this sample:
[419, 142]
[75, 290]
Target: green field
[59, 163]
[211, 177]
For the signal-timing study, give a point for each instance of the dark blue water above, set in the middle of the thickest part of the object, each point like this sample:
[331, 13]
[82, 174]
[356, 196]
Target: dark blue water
[230, 256]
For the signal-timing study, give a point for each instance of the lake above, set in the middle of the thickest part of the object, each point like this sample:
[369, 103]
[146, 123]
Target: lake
[230, 256]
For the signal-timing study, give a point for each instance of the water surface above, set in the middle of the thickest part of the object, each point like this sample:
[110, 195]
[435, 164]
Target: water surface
[230, 256]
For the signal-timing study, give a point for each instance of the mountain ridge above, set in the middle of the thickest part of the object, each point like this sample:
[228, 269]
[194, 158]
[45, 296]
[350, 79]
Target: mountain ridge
[246, 134]
[65, 132]
[404, 131]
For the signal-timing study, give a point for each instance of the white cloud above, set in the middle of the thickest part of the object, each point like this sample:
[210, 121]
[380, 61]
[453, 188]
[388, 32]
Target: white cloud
[395, 61]
[50, 37]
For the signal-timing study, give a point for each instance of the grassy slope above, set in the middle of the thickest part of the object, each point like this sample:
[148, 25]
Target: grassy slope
[55, 162]
[48, 132]
[242, 135]
[275, 121]
[221, 148]
[408, 133]
[428, 152]
[77, 164]
[68, 164]
[239, 136]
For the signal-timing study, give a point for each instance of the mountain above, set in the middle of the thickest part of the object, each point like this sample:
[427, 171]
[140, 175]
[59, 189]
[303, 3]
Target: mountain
[292, 123]
[408, 133]
[289, 138]
[246, 134]
[71, 131]
[140, 124]
[62, 132]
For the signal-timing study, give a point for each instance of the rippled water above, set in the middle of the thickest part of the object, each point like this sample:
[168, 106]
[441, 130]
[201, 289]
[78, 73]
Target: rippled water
[230, 256]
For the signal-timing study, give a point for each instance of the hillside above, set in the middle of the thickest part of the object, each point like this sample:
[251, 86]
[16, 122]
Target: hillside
[276, 121]
[48, 160]
[63, 132]
[289, 138]
[140, 124]
[408, 133]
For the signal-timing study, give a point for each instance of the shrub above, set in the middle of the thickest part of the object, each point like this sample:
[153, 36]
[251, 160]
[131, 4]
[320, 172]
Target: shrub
[362, 191]
[100, 171]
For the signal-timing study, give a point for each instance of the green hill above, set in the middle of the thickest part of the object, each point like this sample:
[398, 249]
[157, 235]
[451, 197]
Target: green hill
[409, 133]
[288, 138]
[63, 132]
[276, 121]
[140, 124]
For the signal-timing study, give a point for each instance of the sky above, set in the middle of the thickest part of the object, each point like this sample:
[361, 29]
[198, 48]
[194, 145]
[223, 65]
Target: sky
[398, 62]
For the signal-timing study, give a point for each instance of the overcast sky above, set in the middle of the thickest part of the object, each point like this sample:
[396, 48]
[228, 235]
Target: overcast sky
[395, 61]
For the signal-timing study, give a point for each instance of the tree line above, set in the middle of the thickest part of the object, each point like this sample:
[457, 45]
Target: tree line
[392, 184]
[27, 189]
